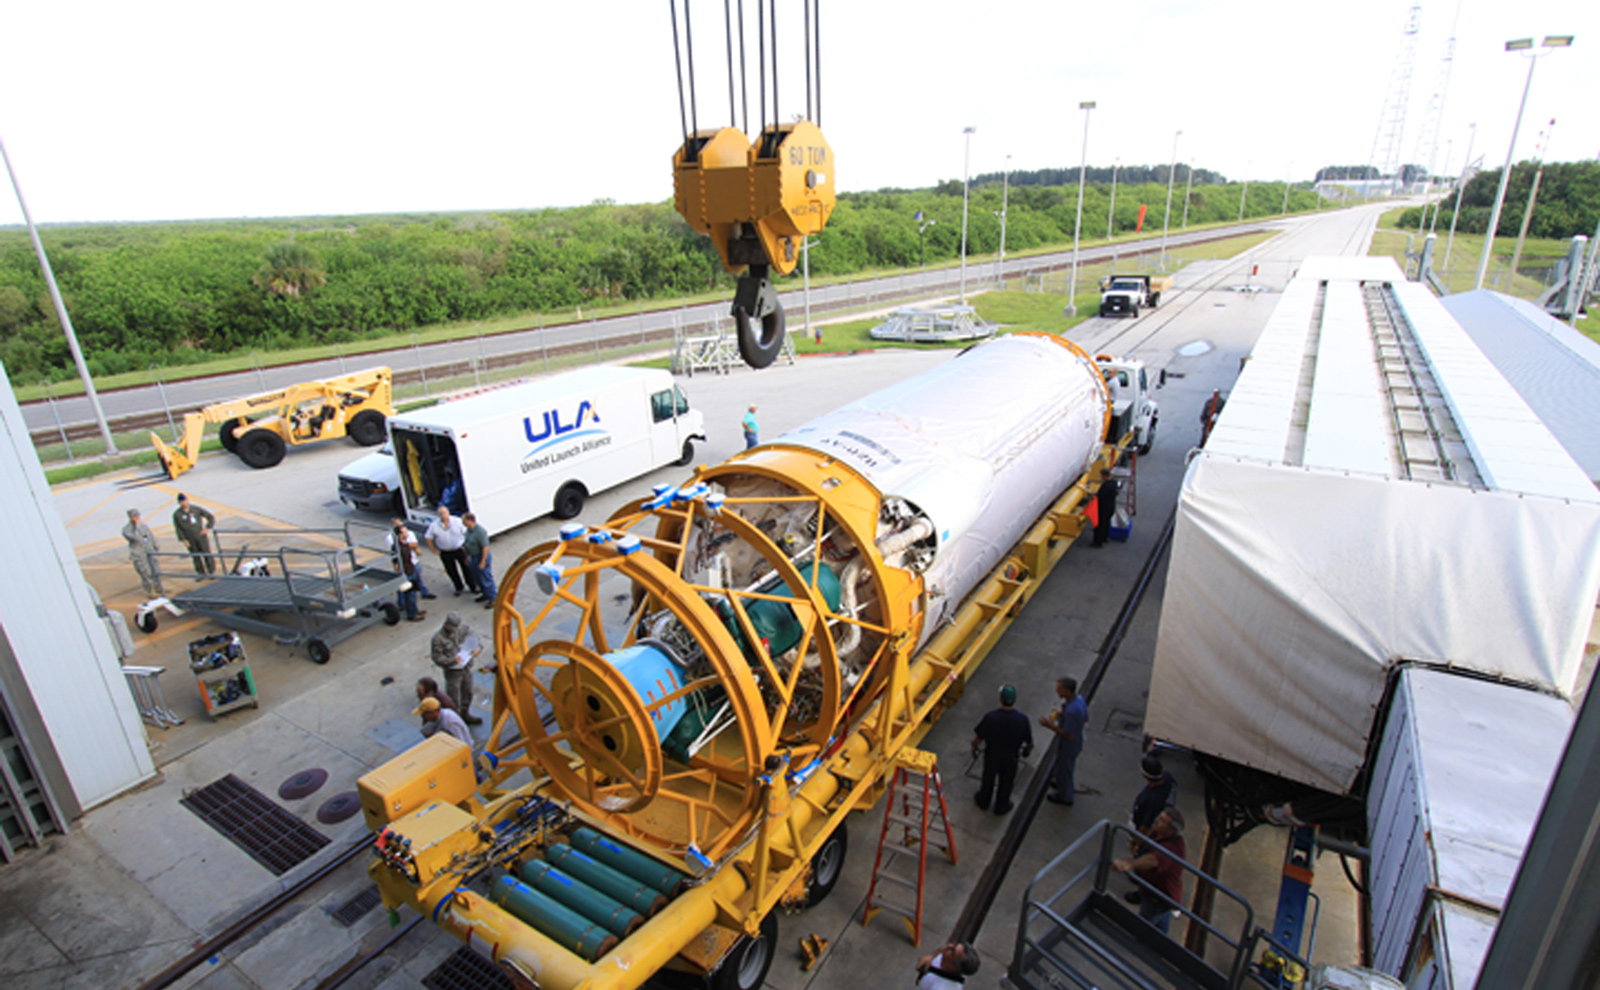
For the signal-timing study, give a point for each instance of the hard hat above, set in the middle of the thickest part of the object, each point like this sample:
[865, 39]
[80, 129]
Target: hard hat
[1150, 766]
[1008, 695]
[427, 705]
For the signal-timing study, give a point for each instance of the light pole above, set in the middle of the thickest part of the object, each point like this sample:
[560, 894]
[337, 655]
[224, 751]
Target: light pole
[61, 310]
[1188, 185]
[1077, 225]
[966, 160]
[1533, 194]
[922, 241]
[1525, 45]
[1005, 196]
[1111, 214]
[1461, 185]
[1286, 176]
[1449, 150]
[1166, 215]
[1245, 191]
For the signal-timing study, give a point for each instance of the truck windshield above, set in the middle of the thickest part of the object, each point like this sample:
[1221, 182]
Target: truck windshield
[1126, 286]
[429, 470]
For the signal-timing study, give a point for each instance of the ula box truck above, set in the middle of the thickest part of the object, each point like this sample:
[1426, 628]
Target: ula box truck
[513, 454]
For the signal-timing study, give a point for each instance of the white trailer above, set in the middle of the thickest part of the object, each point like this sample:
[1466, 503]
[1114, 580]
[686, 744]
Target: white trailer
[513, 454]
[1374, 492]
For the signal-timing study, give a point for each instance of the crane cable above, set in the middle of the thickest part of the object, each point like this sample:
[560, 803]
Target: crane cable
[738, 76]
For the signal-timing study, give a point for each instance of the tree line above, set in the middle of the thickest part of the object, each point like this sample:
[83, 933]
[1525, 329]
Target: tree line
[1568, 203]
[184, 292]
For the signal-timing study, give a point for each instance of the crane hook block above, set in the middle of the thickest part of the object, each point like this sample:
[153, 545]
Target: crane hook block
[757, 202]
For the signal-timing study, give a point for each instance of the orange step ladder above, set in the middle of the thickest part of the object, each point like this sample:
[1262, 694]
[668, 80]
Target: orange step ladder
[911, 810]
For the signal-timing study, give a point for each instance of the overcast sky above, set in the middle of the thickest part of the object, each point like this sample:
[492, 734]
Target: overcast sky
[176, 110]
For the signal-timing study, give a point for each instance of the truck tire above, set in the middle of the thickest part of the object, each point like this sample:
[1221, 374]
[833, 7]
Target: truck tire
[827, 866]
[1155, 300]
[688, 454]
[569, 500]
[1102, 311]
[1133, 311]
[746, 966]
[261, 448]
[367, 428]
[759, 346]
[1149, 438]
[228, 433]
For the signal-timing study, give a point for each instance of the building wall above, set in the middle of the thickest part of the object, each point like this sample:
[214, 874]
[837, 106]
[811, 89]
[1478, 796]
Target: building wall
[60, 650]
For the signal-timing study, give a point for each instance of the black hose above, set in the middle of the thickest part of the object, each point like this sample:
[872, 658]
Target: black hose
[338, 977]
[981, 900]
[214, 945]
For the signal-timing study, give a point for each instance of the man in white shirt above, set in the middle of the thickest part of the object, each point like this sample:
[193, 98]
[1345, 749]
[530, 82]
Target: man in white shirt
[447, 537]
[448, 721]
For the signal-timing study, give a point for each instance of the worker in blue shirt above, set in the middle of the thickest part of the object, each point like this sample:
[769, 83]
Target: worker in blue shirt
[752, 433]
[1067, 723]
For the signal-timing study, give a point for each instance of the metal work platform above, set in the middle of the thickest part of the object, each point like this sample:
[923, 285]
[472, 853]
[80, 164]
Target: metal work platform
[1077, 932]
[328, 586]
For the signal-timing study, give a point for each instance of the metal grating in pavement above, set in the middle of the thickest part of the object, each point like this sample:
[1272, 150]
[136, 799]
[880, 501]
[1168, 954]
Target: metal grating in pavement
[355, 908]
[267, 832]
[466, 970]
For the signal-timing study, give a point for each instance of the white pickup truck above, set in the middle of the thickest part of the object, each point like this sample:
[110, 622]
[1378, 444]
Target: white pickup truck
[1133, 404]
[1127, 294]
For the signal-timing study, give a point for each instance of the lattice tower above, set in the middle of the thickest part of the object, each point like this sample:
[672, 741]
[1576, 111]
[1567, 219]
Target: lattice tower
[1392, 122]
[1428, 140]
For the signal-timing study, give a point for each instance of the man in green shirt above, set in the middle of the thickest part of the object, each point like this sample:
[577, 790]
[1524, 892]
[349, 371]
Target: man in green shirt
[193, 526]
[480, 564]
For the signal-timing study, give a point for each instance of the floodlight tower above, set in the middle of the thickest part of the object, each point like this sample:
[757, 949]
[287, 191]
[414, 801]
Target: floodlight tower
[1392, 122]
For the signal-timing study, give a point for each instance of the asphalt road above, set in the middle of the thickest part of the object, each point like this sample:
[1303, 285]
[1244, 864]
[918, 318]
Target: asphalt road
[656, 324]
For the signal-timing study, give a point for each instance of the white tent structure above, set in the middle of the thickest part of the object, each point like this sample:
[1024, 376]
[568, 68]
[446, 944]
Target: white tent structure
[1374, 492]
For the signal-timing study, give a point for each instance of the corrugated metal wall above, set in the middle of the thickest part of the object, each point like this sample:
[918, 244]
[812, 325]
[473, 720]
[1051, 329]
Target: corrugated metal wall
[73, 710]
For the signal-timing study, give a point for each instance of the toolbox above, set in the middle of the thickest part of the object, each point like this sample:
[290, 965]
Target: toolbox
[223, 673]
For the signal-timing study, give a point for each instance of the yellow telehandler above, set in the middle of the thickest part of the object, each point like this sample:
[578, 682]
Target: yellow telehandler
[260, 427]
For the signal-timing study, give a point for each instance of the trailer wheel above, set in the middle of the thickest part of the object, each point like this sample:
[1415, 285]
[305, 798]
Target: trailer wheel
[688, 454]
[318, 651]
[391, 613]
[569, 500]
[759, 350]
[261, 448]
[367, 428]
[827, 866]
[146, 622]
[746, 966]
[229, 435]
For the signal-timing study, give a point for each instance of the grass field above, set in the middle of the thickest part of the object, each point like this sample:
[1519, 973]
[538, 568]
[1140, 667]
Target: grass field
[1459, 269]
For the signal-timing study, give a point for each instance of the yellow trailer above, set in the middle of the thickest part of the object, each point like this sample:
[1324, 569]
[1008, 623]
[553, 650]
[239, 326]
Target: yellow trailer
[692, 697]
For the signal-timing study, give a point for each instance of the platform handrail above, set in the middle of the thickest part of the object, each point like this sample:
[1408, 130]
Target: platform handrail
[1106, 836]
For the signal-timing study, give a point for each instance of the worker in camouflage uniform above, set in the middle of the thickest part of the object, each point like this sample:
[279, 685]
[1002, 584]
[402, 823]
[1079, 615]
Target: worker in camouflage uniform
[141, 550]
[193, 526]
[446, 653]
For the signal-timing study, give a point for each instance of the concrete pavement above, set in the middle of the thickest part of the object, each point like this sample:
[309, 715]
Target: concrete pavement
[141, 878]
